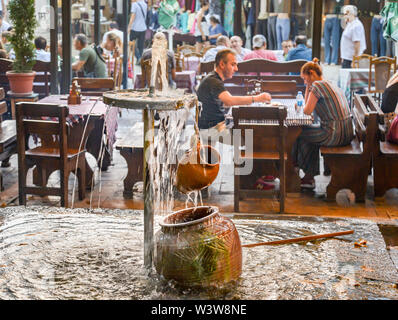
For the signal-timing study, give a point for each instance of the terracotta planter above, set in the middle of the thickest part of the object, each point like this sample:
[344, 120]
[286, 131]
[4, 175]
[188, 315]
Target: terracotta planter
[21, 83]
[197, 169]
[198, 247]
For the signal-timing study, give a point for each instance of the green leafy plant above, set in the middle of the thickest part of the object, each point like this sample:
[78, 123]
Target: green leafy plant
[23, 19]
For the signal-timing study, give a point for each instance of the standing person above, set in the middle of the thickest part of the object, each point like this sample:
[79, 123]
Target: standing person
[3, 8]
[353, 42]
[259, 49]
[113, 28]
[215, 30]
[215, 98]
[336, 129]
[93, 64]
[138, 26]
[236, 44]
[201, 31]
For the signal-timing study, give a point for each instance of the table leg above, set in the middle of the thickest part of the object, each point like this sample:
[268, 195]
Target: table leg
[293, 182]
[94, 145]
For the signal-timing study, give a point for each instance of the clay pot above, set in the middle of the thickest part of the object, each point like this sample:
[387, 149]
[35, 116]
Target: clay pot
[21, 83]
[198, 247]
[197, 169]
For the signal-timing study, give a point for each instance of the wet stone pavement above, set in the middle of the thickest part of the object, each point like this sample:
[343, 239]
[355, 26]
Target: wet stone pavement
[56, 253]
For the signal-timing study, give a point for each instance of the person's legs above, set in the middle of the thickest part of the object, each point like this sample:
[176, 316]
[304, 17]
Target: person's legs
[374, 37]
[383, 42]
[327, 28]
[140, 44]
[278, 34]
[285, 32]
[271, 33]
[335, 40]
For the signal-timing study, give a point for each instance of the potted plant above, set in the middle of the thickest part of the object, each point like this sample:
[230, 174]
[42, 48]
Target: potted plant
[23, 19]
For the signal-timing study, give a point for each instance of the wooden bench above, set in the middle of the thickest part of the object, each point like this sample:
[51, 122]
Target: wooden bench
[131, 148]
[350, 165]
[8, 137]
[385, 154]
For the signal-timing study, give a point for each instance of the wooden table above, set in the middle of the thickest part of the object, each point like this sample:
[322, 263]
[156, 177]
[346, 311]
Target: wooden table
[260, 168]
[101, 115]
[15, 98]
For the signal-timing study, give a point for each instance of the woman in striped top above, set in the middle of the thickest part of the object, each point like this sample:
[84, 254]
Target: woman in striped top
[335, 129]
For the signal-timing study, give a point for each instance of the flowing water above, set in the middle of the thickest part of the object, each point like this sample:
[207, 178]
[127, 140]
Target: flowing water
[56, 253]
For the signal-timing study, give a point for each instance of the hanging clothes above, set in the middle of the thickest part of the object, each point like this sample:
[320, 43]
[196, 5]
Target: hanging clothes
[215, 8]
[390, 15]
[229, 17]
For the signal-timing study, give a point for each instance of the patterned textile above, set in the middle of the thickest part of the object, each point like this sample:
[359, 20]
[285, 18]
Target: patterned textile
[335, 128]
[229, 17]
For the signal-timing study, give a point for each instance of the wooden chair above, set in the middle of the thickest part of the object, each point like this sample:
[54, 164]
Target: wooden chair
[269, 140]
[350, 165]
[8, 137]
[5, 65]
[362, 61]
[185, 49]
[95, 86]
[42, 81]
[206, 67]
[189, 55]
[258, 66]
[385, 154]
[383, 67]
[118, 72]
[56, 156]
[146, 71]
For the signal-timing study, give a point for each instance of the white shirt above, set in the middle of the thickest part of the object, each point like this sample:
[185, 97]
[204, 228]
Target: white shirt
[4, 26]
[42, 55]
[354, 31]
[243, 52]
[210, 54]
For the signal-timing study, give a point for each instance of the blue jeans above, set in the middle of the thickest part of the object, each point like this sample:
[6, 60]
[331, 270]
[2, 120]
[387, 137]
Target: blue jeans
[376, 37]
[282, 31]
[331, 35]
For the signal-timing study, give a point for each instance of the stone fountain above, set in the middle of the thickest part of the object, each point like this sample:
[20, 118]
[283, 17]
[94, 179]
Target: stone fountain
[151, 101]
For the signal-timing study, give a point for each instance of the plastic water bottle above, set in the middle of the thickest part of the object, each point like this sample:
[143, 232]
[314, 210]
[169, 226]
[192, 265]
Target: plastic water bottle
[300, 103]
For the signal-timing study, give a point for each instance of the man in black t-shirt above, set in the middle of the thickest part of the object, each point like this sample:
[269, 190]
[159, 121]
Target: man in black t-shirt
[215, 98]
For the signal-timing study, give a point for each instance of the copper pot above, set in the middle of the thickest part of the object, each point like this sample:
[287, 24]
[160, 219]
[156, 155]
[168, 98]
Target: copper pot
[197, 169]
[198, 247]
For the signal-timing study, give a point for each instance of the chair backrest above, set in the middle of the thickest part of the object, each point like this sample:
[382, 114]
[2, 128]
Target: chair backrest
[206, 67]
[3, 104]
[259, 66]
[95, 86]
[5, 65]
[365, 123]
[362, 61]
[42, 81]
[146, 71]
[268, 125]
[198, 56]
[118, 72]
[185, 49]
[29, 121]
[383, 68]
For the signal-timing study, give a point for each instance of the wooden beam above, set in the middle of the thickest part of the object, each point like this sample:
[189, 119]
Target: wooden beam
[125, 42]
[97, 22]
[317, 8]
[66, 46]
[54, 46]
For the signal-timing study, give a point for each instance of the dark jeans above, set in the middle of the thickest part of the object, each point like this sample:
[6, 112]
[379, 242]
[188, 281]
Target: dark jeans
[272, 43]
[262, 27]
[346, 64]
[331, 35]
[139, 36]
[376, 37]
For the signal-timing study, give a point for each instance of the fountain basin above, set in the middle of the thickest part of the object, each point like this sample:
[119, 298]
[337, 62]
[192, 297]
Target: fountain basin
[141, 99]
[198, 247]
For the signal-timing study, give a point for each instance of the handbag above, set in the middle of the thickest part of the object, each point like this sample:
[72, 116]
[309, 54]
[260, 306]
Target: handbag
[392, 134]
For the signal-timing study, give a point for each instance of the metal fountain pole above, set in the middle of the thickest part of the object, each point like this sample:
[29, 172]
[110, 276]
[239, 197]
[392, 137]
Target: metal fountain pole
[148, 119]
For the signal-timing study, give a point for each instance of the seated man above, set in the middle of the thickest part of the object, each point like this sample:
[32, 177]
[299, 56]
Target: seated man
[236, 44]
[171, 63]
[41, 54]
[301, 51]
[90, 60]
[287, 46]
[4, 40]
[215, 98]
[259, 49]
[221, 44]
